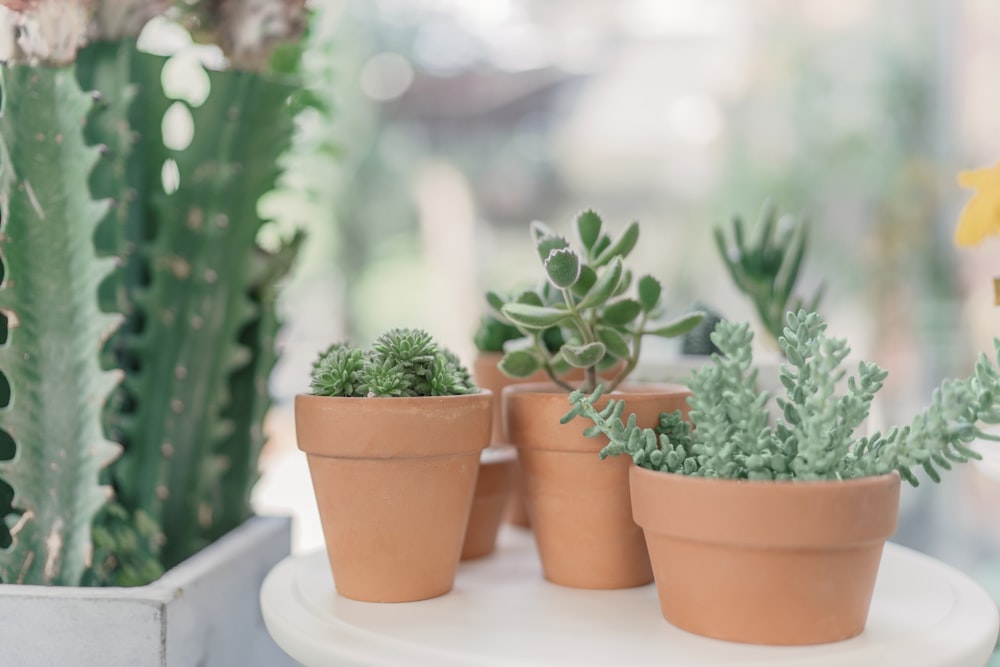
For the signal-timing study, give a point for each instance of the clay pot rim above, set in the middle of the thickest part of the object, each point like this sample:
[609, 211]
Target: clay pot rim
[622, 391]
[770, 514]
[805, 485]
[389, 428]
[396, 400]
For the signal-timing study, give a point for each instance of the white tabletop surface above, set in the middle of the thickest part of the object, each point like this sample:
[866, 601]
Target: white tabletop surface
[502, 612]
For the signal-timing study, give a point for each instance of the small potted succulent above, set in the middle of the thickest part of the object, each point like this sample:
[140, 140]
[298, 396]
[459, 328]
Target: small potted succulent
[393, 437]
[773, 534]
[495, 334]
[579, 506]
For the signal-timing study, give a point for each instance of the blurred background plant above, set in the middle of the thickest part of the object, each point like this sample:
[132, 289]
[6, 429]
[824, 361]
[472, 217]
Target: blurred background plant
[459, 122]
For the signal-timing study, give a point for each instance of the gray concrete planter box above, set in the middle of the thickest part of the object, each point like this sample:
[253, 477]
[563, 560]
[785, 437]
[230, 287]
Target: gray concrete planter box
[204, 612]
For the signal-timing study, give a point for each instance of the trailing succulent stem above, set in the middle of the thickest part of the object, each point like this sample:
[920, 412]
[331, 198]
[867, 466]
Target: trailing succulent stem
[401, 363]
[815, 437]
[767, 268]
[50, 361]
[584, 297]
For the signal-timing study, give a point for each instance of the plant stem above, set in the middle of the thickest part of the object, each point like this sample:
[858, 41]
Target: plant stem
[633, 359]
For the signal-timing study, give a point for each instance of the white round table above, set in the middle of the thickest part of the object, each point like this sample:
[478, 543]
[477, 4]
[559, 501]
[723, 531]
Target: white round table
[502, 612]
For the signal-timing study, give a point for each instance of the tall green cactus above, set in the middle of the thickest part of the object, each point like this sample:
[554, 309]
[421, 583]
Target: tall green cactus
[49, 295]
[126, 542]
[196, 290]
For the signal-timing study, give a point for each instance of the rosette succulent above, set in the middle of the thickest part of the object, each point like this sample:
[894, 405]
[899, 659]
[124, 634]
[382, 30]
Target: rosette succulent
[400, 363]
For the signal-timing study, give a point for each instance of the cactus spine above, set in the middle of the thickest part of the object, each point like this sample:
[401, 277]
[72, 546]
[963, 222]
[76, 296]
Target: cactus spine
[49, 295]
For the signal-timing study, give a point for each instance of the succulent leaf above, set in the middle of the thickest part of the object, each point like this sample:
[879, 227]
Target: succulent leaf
[614, 341]
[520, 363]
[605, 286]
[562, 267]
[584, 356]
[621, 312]
[677, 327]
[649, 293]
[588, 229]
[534, 317]
[621, 246]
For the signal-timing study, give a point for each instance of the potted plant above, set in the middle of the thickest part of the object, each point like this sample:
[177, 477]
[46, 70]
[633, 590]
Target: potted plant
[499, 474]
[139, 334]
[773, 534]
[393, 436]
[579, 506]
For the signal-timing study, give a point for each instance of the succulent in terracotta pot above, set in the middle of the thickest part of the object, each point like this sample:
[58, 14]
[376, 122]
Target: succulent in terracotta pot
[588, 297]
[494, 334]
[393, 435]
[804, 505]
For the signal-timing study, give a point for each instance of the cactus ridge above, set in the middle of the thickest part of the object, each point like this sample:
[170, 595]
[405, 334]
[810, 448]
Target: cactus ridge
[201, 258]
[51, 359]
[248, 389]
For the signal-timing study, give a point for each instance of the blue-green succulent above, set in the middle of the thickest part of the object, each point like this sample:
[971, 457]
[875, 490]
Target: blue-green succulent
[816, 436]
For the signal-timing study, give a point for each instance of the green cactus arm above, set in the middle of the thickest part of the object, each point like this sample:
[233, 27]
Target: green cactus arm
[200, 264]
[51, 360]
[126, 543]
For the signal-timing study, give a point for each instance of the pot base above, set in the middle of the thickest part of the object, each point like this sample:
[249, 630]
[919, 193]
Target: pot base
[778, 563]
[493, 490]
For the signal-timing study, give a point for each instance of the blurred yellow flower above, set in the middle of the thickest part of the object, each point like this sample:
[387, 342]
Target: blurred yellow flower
[981, 216]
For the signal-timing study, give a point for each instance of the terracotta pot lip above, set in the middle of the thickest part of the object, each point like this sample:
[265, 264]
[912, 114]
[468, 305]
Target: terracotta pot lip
[626, 389]
[400, 400]
[784, 485]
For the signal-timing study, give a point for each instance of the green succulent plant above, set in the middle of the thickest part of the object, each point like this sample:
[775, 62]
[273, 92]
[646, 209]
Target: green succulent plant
[493, 333]
[698, 341]
[585, 298]
[400, 363]
[729, 435]
[767, 268]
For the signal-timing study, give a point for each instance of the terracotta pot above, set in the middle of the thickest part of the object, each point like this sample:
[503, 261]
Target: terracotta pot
[785, 563]
[493, 490]
[579, 505]
[487, 376]
[393, 479]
